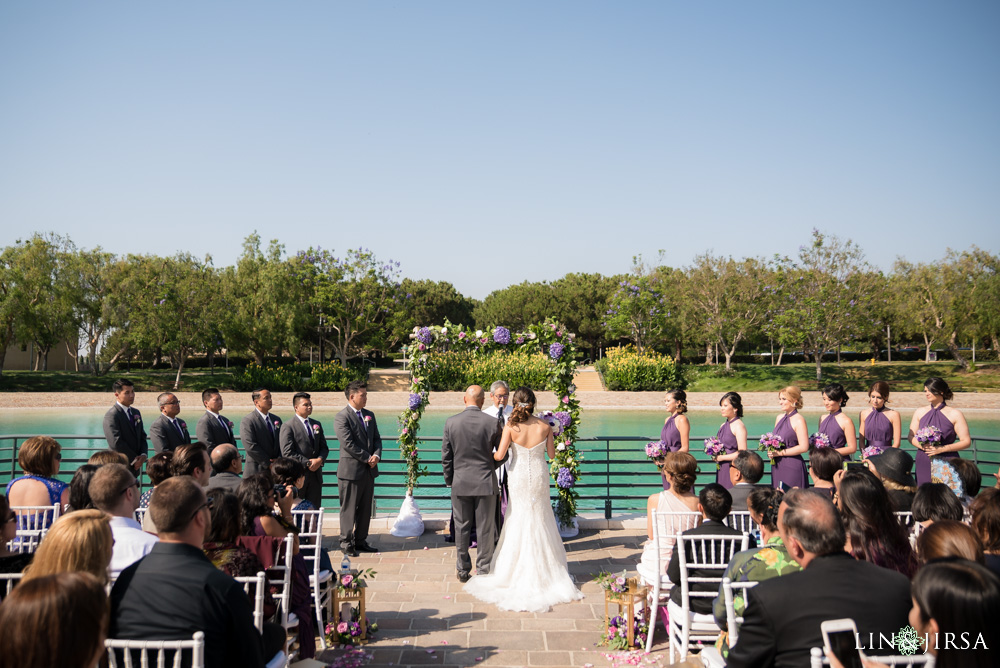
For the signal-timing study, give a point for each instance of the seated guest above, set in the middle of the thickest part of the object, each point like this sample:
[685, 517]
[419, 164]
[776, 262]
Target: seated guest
[10, 561]
[823, 463]
[935, 501]
[33, 628]
[175, 590]
[972, 479]
[79, 488]
[874, 534]
[102, 457]
[714, 502]
[749, 469]
[39, 458]
[158, 468]
[949, 538]
[191, 459]
[79, 541]
[756, 564]
[893, 468]
[228, 466]
[958, 599]
[291, 473]
[985, 509]
[783, 615]
[116, 491]
[679, 469]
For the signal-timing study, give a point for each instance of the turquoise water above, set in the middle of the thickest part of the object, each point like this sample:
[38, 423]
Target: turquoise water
[610, 469]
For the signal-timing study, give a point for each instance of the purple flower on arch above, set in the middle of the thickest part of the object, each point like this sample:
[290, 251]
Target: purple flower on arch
[501, 335]
[416, 401]
[425, 336]
[556, 350]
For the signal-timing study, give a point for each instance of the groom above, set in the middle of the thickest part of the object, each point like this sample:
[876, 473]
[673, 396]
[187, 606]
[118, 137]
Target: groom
[467, 460]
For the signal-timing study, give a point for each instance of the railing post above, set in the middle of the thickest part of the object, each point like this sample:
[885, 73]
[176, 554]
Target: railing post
[607, 479]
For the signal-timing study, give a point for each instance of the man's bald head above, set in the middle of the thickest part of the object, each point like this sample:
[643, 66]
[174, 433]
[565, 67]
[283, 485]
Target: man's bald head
[474, 396]
[224, 456]
[811, 518]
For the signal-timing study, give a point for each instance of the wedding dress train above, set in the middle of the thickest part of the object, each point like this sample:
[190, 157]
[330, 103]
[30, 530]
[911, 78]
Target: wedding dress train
[529, 571]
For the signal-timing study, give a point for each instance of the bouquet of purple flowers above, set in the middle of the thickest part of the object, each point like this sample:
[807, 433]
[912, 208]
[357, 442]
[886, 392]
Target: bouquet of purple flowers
[349, 633]
[614, 583]
[771, 443]
[871, 451]
[819, 440]
[656, 449]
[616, 635]
[929, 435]
[714, 448]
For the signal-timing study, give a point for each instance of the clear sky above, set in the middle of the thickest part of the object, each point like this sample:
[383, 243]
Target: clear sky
[490, 143]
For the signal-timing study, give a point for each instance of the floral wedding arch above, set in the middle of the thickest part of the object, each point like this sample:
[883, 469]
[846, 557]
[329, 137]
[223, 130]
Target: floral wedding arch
[549, 338]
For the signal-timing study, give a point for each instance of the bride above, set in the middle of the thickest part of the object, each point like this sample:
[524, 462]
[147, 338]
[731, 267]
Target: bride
[528, 572]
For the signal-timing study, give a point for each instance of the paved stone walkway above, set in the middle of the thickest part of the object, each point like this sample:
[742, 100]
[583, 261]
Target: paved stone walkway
[425, 619]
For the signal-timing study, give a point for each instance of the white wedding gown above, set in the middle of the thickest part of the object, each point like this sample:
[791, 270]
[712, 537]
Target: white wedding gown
[528, 572]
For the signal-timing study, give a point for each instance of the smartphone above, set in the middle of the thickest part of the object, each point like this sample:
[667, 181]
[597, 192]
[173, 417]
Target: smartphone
[783, 486]
[840, 637]
[852, 466]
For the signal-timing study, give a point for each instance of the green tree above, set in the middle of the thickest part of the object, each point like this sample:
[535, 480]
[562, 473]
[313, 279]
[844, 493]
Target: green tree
[581, 303]
[638, 309]
[96, 311]
[265, 305]
[351, 299]
[728, 298]
[516, 306]
[986, 312]
[426, 302]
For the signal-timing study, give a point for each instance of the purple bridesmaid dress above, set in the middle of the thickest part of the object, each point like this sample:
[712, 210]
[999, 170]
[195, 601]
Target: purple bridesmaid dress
[728, 439]
[934, 418]
[829, 426]
[672, 438]
[789, 470]
[878, 431]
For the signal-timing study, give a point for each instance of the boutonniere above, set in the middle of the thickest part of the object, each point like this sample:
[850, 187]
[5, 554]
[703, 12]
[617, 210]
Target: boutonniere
[368, 418]
[182, 423]
[137, 418]
[230, 423]
[315, 428]
[277, 423]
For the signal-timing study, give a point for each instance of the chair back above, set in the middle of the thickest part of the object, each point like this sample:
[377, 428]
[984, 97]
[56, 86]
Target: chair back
[732, 621]
[136, 653]
[310, 526]
[33, 523]
[670, 523]
[703, 552]
[818, 660]
[255, 586]
[140, 514]
[741, 521]
[280, 577]
[7, 582]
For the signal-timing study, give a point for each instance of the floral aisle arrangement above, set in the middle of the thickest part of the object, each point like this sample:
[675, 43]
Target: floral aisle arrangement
[347, 629]
[616, 634]
[549, 338]
[610, 582]
[349, 633]
[771, 443]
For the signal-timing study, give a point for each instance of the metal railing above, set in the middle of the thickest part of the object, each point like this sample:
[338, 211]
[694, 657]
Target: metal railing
[615, 476]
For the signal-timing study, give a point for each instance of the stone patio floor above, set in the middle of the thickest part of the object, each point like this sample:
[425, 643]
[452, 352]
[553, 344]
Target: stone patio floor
[425, 619]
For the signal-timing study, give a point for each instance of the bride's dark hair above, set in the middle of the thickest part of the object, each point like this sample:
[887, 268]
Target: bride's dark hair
[524, 405]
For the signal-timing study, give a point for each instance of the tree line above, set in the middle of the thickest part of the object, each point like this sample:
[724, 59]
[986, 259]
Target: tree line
[273, 303]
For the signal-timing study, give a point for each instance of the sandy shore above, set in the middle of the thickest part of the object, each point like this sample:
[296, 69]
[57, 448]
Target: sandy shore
[236, 401]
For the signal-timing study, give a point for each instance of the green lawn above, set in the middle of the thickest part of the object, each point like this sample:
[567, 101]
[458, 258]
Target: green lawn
[145, 380]
[855, 376]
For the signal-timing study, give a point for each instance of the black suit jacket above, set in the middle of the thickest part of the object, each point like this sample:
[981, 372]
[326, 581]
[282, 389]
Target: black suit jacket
[296, 444]
[701, 604]
[260, 444]
[165, 436]
[783, 614]
[211, 433]
[357, 444]
[173, 592]
[129, 439]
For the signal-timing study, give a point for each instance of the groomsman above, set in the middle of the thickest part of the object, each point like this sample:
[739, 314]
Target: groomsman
[302, 439]
[168, 431]
[500, 411]
[360, 452]
[259, 431]
[123, 426]
[213, 428]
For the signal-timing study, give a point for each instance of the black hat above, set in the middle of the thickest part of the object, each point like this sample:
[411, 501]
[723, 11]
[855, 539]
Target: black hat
[894, 464]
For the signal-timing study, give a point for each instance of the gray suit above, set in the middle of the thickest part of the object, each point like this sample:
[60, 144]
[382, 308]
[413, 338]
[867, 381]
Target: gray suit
[165, 436]
[296, 443]
[225, 480]
[129, 439]
[468, 465]
[211, 432]
[261, 444]
[740, 492]
[355, 478]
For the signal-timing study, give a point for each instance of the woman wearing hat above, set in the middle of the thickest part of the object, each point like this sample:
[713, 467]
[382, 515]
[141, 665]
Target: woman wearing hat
[893, 467]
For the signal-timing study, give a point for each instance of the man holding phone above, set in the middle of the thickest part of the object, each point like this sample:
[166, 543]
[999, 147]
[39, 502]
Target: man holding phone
[784, 615]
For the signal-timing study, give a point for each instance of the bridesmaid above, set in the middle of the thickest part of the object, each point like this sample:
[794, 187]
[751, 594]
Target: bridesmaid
[835, 424]
[789, 467]
[881, 427]
[676, 429]
[732, 433]
[951, 422]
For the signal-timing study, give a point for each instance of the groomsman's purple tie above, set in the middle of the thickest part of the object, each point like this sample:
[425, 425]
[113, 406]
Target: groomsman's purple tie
[225, 426]
[362, 418]
[177, 426]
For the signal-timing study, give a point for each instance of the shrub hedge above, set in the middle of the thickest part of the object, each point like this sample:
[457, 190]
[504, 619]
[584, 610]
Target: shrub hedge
[627, 369]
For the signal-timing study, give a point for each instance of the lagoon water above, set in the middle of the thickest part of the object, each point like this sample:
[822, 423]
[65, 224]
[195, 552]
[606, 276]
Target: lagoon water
[610, 468]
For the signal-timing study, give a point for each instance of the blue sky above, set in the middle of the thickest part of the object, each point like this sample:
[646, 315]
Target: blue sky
[489, 143]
